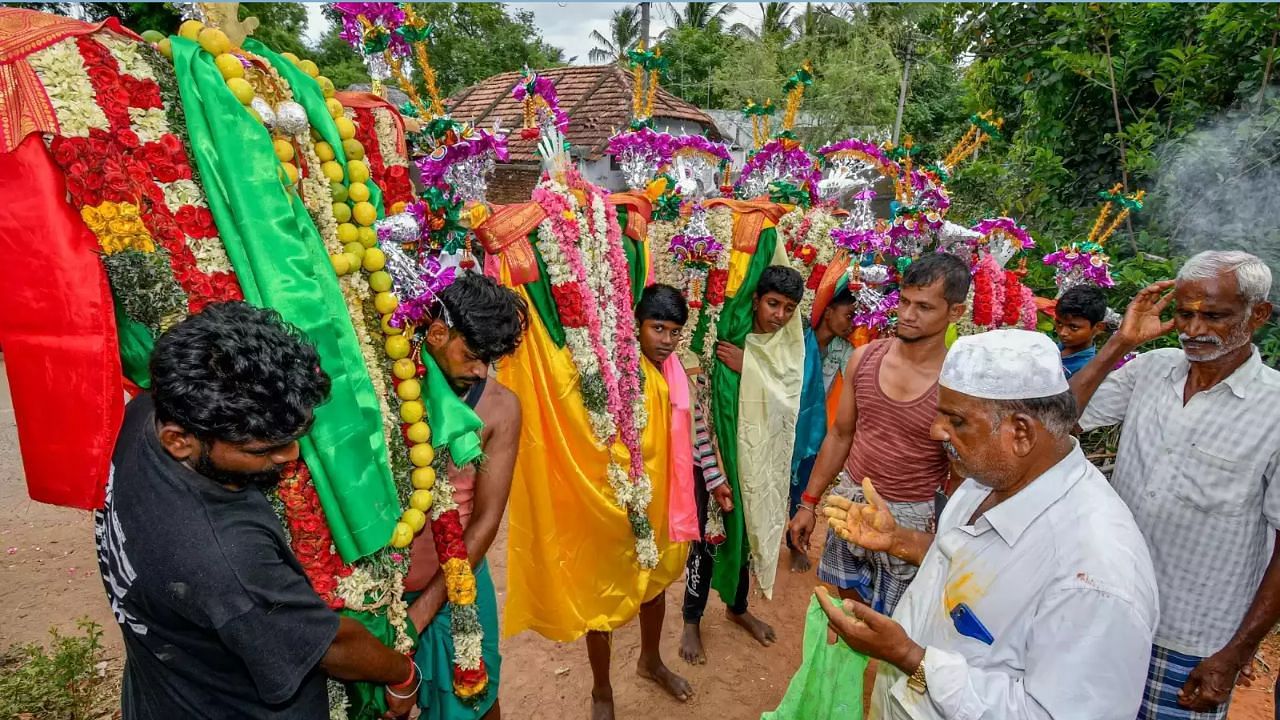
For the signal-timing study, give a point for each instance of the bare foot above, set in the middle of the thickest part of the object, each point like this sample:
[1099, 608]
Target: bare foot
[800, 562]
[601, 707]
[691, 645]
[759, 629]
[678, 687]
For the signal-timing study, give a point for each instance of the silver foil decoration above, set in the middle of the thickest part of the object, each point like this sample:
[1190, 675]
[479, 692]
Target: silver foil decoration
[869, 297]
[191, 11]
[469, 178]
[264, 111]
[959, 241]
[377, 66]
[874, 275]
[291, 118]
[399, 229]
[406, 279]
[637, 167]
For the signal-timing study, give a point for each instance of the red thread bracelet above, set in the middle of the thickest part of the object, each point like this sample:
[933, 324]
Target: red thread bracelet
[807, 498]
[413, 673]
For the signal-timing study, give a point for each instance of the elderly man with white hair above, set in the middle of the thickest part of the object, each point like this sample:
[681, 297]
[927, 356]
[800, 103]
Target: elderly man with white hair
[1036, 598]
[1199, 456]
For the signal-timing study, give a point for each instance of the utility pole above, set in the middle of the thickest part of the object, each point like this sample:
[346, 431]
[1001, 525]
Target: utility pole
[902, 92]
[644, 24]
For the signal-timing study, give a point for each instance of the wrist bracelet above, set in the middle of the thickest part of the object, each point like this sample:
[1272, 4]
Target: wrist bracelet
[806, 497]
[413, 674]
[808, 507]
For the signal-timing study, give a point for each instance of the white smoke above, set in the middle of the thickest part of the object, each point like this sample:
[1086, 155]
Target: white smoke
[1218, 188]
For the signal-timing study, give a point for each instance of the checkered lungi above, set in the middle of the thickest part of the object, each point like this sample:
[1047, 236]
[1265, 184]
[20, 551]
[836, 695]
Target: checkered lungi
[879, 577]
[1165, 677]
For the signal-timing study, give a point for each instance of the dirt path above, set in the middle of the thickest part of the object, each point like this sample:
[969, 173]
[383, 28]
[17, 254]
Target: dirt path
[49, 577]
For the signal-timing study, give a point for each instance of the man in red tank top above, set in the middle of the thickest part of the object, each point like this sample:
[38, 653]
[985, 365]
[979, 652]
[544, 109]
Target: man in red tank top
[882, 432]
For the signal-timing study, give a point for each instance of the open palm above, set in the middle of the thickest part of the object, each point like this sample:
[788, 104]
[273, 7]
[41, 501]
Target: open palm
[869, 525]
[1142, 321]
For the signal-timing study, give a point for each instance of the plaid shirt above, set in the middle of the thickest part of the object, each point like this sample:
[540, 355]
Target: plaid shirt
[1198, 481]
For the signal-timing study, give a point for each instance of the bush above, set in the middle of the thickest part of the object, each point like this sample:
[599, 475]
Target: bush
[66, 681]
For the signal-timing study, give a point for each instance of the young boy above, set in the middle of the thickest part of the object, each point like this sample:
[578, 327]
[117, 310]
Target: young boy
[1079, 319]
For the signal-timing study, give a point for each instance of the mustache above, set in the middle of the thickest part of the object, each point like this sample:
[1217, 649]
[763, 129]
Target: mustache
[950, 449]
[1204, 339]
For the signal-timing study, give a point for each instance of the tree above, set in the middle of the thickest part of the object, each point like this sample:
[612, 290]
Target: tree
[472, 41]
[281, 25]
[697, 16]
[774, 23]
[624, 35]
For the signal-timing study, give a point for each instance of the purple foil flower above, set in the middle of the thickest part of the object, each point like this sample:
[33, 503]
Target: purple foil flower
[864, 150]
[696, 251]
[416, 309]
[433, 168]
[699, 144]
[535, 85]
[1006, 227]
[778, 161]
[384, 16]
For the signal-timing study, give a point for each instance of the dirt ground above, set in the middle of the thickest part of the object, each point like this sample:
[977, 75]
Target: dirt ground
[49, 577]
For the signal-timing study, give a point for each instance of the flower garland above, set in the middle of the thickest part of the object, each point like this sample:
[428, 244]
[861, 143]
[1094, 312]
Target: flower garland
[127, 156]
[391, 177]
[1012, 311]
[988, 293]
[810, 248]
[309, 535]
[590, 283]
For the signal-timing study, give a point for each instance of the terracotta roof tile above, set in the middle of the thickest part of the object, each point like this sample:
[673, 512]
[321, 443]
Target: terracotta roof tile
[597, 99]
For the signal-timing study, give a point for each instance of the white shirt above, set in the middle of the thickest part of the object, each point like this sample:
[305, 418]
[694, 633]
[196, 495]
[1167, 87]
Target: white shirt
[1059, 576]
[1199, 480]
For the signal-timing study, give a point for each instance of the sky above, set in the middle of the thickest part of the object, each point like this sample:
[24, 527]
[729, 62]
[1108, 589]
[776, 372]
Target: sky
[568, 25]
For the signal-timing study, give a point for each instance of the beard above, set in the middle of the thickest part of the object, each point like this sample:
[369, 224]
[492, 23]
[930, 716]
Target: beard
[263, 480]
[1218, 347]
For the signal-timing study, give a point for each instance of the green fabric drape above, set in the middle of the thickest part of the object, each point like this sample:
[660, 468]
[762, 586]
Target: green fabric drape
[307, 93]
[635, 259]
[452, 420]
[281, 263]
[136, 343]
[367, 699]
[828, 685]
[540, 295]
[734, 326]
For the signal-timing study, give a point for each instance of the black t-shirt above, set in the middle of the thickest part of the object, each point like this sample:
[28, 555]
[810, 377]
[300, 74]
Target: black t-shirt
[219, 620]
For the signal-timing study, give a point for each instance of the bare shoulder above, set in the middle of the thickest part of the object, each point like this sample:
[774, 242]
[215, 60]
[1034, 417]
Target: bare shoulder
[498, 406]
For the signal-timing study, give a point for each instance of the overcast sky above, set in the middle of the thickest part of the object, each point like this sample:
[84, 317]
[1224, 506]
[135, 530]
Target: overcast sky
[568, 25]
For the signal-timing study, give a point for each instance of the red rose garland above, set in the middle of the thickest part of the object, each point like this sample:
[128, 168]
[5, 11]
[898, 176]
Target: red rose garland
[309, 534]
[1012, 299]
[117, 166]
[393, 180]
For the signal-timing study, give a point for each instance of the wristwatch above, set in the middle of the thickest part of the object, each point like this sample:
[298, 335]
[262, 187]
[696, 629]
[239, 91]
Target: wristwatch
[918, 682]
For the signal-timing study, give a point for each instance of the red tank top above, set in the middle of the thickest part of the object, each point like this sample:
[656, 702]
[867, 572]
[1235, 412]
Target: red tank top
[891, 443]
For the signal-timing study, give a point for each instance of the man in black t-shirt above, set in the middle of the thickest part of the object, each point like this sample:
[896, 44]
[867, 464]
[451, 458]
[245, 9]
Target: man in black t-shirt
[219, 620]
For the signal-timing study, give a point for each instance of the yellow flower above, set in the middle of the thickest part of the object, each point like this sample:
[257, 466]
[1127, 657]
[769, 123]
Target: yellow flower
[93, 218]
[110, 211]
[128, 211]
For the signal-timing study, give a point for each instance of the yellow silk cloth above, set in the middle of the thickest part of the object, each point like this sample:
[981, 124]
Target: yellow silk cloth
[571, 559]
[768, 405]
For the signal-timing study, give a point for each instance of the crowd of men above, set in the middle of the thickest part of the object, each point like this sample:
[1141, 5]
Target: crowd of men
[975, 551]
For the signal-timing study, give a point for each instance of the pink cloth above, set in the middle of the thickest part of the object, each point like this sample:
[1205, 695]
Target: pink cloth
[681, 506]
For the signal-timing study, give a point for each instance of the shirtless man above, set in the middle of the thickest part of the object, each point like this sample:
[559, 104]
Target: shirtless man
[882, 432]
[479, 324]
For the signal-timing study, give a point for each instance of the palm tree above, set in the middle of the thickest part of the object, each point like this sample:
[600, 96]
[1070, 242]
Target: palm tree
[698, 15]
[775, 21]
[624, 35]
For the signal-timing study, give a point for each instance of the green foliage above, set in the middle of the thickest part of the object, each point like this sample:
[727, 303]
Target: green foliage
[281, 25]
[60, 682]
[472, 41]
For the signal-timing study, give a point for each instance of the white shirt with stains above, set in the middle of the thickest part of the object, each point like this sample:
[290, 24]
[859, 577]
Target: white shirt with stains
[1059, 578]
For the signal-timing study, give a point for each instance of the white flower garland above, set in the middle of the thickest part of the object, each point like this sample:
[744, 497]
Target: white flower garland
[150, 124]
[66, 82]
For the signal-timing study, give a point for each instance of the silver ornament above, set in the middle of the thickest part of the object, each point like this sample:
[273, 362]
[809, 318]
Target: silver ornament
[399, 229]
[874, 274]
[469, 178]
[377, 66]
[264, 111]
[291, 118]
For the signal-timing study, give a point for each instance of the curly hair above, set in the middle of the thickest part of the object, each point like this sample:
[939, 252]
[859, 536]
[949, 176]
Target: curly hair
[491, 319]
[783, 280]
[237, 373]
[662, 303]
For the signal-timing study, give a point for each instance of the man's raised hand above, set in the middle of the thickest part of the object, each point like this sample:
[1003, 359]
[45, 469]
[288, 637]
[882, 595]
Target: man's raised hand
[869, 525]
[1142, 321]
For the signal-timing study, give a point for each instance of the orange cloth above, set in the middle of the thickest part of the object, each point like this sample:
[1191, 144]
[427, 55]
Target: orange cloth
[749, 219]
[367, 100]
[506, 233]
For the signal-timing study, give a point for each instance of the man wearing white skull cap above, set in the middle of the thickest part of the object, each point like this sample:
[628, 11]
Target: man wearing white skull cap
[1036, 598]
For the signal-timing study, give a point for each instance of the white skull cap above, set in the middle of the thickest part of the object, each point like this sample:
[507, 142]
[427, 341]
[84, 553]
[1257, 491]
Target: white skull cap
[1004, 365]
